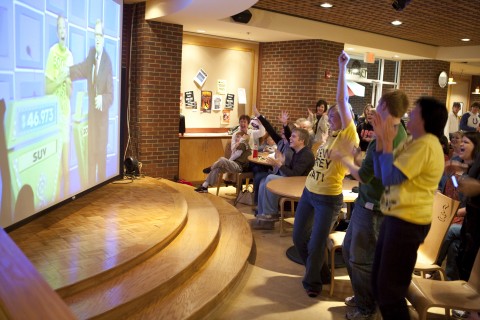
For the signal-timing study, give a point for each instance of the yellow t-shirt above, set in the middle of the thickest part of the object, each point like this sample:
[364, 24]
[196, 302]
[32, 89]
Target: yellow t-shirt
[422, 162]
[327, 175]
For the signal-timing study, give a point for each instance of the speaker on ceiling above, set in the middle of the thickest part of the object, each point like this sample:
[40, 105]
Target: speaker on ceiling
[242, 17]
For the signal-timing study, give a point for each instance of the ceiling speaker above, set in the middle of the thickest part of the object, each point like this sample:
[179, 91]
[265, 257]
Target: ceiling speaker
[242, 17]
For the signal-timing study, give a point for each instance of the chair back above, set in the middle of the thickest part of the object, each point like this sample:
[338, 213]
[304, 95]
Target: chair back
[474, 280]
[228, 150]
[444, 209]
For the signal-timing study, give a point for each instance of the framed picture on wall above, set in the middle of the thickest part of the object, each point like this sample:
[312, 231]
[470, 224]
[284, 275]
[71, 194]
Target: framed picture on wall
[230, 101]
[206, 101]
[200, 77]
[225, 116]
[217, 102]
[190, 100]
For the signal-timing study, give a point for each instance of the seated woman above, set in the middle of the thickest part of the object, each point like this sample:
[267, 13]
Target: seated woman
[469, 150]
[237, 162]
[280, 139]
[268, 144]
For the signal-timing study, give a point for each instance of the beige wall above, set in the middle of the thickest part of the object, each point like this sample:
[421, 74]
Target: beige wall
[233, 61]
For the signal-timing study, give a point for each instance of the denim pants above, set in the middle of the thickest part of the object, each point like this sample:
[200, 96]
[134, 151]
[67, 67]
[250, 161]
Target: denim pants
[449, 250]
[395, 258]
[260, 172]
[314, 218]
[267, 201]
[358, 251]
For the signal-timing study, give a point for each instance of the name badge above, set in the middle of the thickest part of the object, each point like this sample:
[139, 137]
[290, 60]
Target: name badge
[369, 205]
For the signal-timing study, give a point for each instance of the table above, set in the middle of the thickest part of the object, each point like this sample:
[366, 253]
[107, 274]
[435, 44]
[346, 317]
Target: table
[291, 189]
[261, 159]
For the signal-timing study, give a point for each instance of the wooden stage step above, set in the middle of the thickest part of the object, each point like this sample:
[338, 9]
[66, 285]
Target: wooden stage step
[156, 243]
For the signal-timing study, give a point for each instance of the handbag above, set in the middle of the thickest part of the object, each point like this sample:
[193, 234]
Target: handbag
[245, 197]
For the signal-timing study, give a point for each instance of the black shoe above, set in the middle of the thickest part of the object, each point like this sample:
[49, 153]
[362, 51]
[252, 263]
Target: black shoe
[312, 293]
[201, 189]
[207, 170]
[228, 183]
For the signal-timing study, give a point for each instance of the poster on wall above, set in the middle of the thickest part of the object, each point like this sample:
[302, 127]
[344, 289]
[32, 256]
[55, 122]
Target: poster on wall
[190, 100]
[225, 116]
[242, 96]
[217, 102]
[206, 102]
[221, 86]
[229, 101]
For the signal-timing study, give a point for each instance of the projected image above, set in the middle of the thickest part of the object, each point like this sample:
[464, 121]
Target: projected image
[59, 101]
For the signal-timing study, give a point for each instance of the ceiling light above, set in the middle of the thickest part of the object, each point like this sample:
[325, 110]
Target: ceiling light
[465, 39]
[201, 31]
[326, 5]
[396, 22]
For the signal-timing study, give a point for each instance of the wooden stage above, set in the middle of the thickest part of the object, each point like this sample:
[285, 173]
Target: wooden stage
[147, 249]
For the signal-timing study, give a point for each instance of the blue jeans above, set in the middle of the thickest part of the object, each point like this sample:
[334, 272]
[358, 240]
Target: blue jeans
[359, 252]
[449, 250]
[395, 257]
[267, 201]
[259, 173]
[314, 218]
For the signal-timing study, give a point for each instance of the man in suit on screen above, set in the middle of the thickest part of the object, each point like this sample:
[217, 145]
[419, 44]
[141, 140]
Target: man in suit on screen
[97, 70]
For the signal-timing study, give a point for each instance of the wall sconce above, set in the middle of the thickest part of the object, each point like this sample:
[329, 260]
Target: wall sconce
[451, 80]
[477, 90]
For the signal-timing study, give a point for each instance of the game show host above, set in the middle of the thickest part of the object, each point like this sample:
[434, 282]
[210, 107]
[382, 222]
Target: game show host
[97, 69]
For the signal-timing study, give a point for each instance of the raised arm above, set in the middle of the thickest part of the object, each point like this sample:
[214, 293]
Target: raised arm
[342, 90]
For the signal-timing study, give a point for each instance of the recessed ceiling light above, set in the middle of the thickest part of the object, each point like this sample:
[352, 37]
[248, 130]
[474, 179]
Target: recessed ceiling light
[465, 39]
[351, 49]
[326, 5]
[396, 56]
[201, 31]
[396, 22]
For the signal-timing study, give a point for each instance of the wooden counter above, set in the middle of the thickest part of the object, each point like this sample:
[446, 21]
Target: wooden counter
[198, 151]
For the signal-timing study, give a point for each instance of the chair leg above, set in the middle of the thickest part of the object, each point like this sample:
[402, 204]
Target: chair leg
[282, 216]
[332, 270]
[219, 182]
[239, 189]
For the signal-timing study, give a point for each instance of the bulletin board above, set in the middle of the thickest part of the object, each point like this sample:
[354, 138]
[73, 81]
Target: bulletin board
[228, 69]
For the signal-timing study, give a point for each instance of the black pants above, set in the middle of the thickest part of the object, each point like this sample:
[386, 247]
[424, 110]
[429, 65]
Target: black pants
[395, 257]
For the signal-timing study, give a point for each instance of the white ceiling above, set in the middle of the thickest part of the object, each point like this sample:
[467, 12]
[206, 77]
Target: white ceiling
[213, 17]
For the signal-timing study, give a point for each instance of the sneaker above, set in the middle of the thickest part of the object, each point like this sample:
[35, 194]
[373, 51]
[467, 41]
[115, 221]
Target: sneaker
[357, 315]
[460, 314]
[268, 217]
[350, 301]
[207, 170]
[202, 189]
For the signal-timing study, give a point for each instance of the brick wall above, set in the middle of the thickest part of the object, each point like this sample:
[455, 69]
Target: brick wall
[420, 78]
[292, 76]
[155, 73]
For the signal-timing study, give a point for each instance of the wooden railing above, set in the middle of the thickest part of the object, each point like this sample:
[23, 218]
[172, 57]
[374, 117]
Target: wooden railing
[24, 294]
